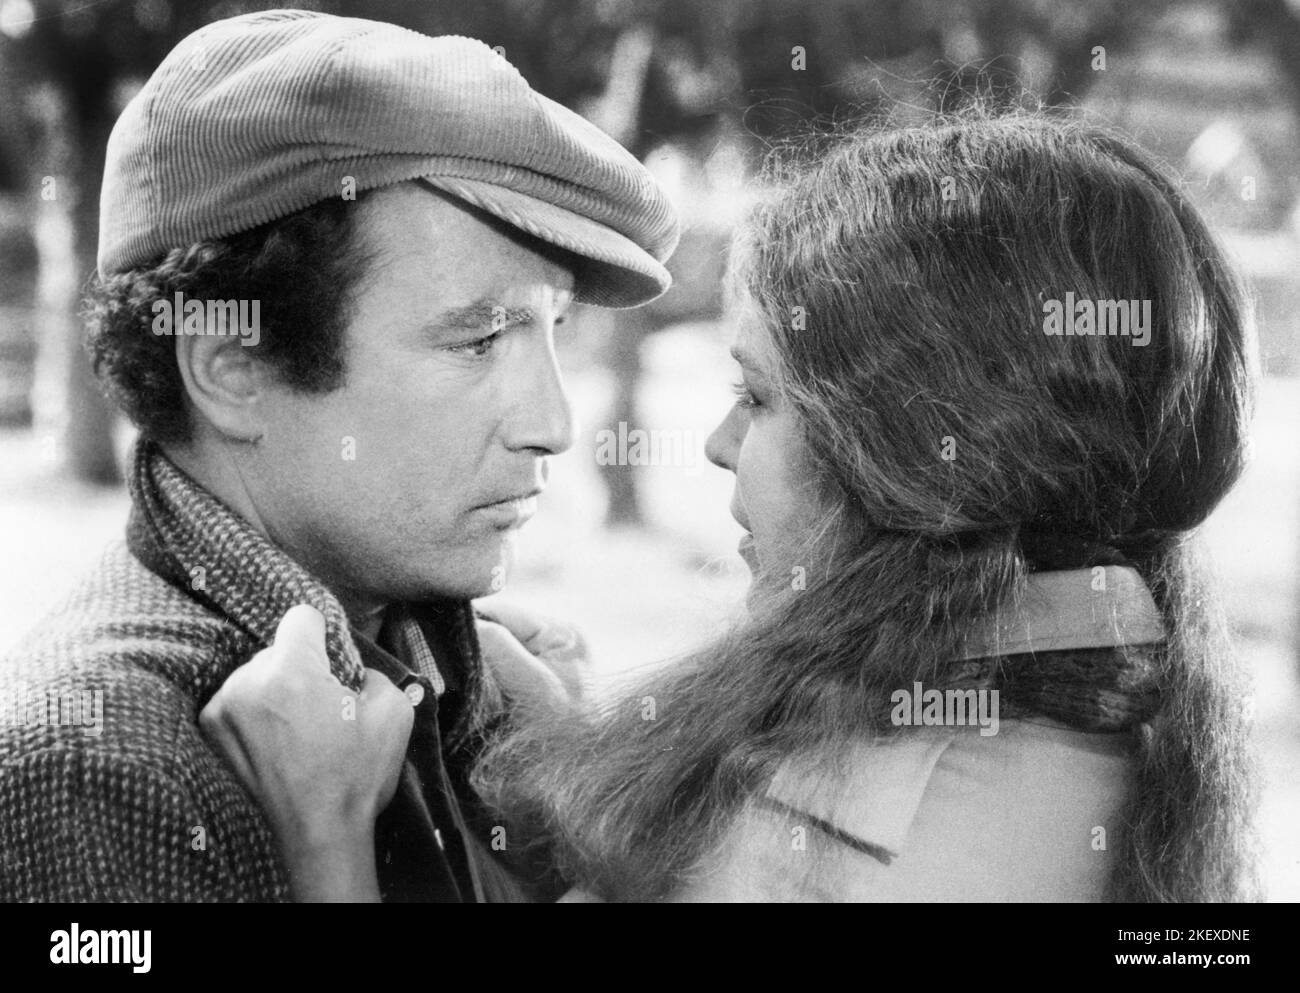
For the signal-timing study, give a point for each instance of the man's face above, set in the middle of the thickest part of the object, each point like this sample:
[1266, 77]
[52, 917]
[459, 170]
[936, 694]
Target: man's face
[412, 478]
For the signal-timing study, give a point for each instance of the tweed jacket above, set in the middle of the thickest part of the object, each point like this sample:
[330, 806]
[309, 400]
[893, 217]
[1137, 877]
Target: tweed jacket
[136, 805]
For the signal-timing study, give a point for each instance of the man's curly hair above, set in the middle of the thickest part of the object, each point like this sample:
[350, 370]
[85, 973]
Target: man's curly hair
[302, 269]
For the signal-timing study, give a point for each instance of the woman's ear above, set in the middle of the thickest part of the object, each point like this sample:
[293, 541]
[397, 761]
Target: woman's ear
[225, 384]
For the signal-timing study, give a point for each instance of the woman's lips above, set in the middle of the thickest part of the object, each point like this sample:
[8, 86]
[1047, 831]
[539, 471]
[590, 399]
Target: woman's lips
[746, 550]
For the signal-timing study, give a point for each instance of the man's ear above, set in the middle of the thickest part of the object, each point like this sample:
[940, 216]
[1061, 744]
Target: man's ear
[225, 383]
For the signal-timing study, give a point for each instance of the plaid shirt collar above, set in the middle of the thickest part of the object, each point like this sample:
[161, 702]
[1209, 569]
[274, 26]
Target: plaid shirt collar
[414, 650]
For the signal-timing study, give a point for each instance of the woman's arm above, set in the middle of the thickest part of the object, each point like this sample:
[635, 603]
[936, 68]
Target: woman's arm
[339, 869]
[320, 760]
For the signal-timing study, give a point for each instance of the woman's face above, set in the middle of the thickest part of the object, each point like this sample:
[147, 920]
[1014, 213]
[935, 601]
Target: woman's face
[760, 441]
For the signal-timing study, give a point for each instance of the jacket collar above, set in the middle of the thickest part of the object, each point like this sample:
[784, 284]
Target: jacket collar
[1101, 607]
[184, 534]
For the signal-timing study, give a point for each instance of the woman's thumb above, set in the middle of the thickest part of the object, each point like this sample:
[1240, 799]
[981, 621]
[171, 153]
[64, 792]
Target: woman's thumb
[300, 636]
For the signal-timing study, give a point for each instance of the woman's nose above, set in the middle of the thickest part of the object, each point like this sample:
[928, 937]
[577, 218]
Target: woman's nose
[724, 441]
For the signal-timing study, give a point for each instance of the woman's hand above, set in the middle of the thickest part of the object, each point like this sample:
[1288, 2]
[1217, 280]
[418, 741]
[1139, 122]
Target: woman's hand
[321, 760]
[540, 664]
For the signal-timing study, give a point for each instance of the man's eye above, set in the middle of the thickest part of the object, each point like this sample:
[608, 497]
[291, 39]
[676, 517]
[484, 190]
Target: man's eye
[478, 348]
[744, 398]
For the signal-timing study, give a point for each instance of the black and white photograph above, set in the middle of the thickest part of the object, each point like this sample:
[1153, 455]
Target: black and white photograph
[681, 451]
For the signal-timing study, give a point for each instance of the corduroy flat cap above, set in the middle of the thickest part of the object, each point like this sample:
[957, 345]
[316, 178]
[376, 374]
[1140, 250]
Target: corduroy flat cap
[255, 117]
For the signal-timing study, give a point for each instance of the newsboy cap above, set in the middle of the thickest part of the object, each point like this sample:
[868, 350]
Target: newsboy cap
[255, 117]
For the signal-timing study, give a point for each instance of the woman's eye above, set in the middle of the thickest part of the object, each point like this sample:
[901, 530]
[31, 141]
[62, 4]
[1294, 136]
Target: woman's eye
[744, 398]
[478, 348]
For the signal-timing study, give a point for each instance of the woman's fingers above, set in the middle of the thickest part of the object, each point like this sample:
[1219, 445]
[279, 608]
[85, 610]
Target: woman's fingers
[522, 623]
[383, 705]
[559, 646]
[540, 634]
[300, 637]
[386, 711]
[217, 725]
[312, 752]
[523, 677]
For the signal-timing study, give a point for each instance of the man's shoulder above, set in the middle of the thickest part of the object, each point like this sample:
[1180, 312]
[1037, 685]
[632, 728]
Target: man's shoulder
[123, 617]
[122, 664]
[103, 768]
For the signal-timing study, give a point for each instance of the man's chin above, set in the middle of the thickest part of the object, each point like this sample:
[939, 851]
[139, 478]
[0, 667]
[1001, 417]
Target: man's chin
[460, 589]
[447, 573]
[477, 580]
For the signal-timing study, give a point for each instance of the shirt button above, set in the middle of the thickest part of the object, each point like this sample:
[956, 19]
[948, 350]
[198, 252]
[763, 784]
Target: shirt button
[415, 693]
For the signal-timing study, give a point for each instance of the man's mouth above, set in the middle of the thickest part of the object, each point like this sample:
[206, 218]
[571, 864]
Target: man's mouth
[511, 511]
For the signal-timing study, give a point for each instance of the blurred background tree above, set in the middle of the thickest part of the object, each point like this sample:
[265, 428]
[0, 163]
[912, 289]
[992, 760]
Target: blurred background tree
[693, 75]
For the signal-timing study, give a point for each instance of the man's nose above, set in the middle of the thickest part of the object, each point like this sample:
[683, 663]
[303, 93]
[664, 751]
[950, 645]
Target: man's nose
[724, 442]
[543, 416]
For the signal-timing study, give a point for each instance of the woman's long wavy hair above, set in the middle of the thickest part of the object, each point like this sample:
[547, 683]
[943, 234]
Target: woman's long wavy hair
[922, 258]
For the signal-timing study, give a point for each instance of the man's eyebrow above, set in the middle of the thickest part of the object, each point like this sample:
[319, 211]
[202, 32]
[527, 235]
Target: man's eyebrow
[483, 314]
